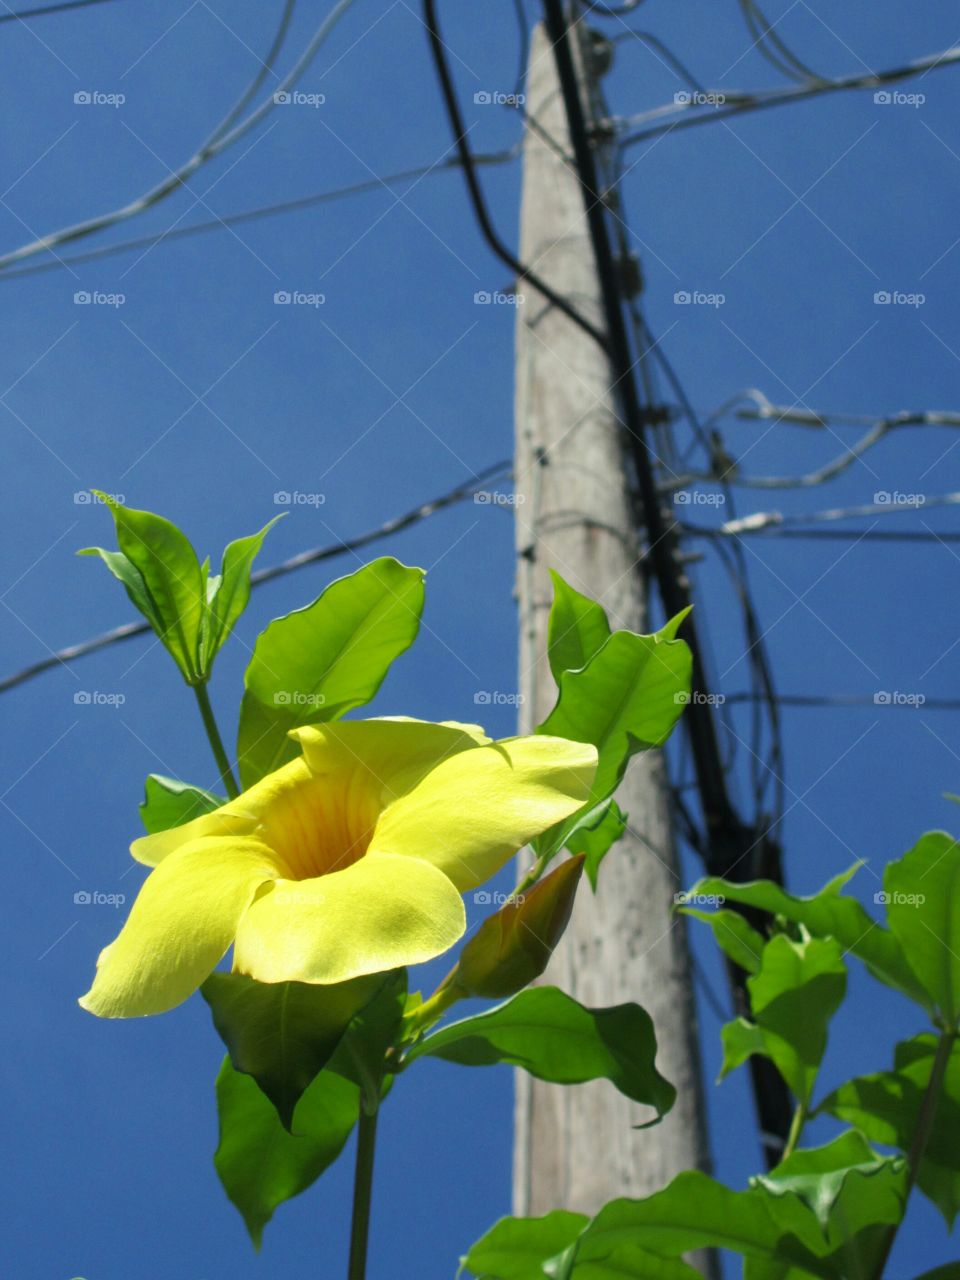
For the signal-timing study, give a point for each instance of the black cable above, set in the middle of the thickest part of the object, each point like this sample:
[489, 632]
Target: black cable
[23, 14]
[838, 535]
[487, 228]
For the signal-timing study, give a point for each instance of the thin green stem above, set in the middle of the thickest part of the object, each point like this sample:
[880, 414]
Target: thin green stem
[796, 1128]
[216, 742]
[921, 1136]
[362, 1193]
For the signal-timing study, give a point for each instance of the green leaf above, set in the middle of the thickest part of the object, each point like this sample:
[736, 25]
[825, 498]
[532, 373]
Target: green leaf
[554, 1038]
[170, 803]
[828, 914]
[578, 627]
[794, 994]
[735, 937]
[259, 1163]
[170, 591]
[284, 1033]
[922, 893]
[886, 1106]
[595, 841]
[229, 592]
[375, 1030]
[949, 1271]
[517, 1248]
[320, 662]
[695, 1212]
[816, 1174]
[627, 699]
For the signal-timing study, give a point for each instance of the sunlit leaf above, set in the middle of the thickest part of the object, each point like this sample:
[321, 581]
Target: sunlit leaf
[318, 663]
[554, 1038]
[517, 1248]
[578, 627]
[921, 891]
[229, 592]
[734, 935]
[169, 803]
[886, 1106]
[595, 840]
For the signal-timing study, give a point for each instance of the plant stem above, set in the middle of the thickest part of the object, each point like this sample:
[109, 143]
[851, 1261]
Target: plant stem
[796, 1128]
[216, 742]
[362, 1192]
[921, 1135]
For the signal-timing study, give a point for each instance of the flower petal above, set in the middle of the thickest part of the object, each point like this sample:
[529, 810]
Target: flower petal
[471, 813]
[395, 752]
[378, 914]
[182, 923]
[238, 817]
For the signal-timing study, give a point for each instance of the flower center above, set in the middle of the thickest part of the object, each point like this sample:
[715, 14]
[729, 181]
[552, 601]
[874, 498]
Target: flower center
[322, 823]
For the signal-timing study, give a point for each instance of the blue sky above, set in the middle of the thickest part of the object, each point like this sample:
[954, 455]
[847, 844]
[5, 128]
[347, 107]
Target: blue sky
[198, 396]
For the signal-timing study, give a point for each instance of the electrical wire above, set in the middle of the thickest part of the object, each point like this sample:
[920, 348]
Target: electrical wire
[452, 105]
[62, 657]
[771, 46]
[23, 15]
[734, 104]
[253, 215]
[228, 131]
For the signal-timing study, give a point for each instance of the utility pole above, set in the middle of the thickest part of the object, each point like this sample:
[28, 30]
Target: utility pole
[578, 1148]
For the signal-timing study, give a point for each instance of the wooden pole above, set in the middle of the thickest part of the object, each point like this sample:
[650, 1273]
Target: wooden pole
[577, 1148]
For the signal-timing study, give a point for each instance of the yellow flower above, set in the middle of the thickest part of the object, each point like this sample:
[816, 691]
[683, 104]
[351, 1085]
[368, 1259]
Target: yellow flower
[349, 860]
